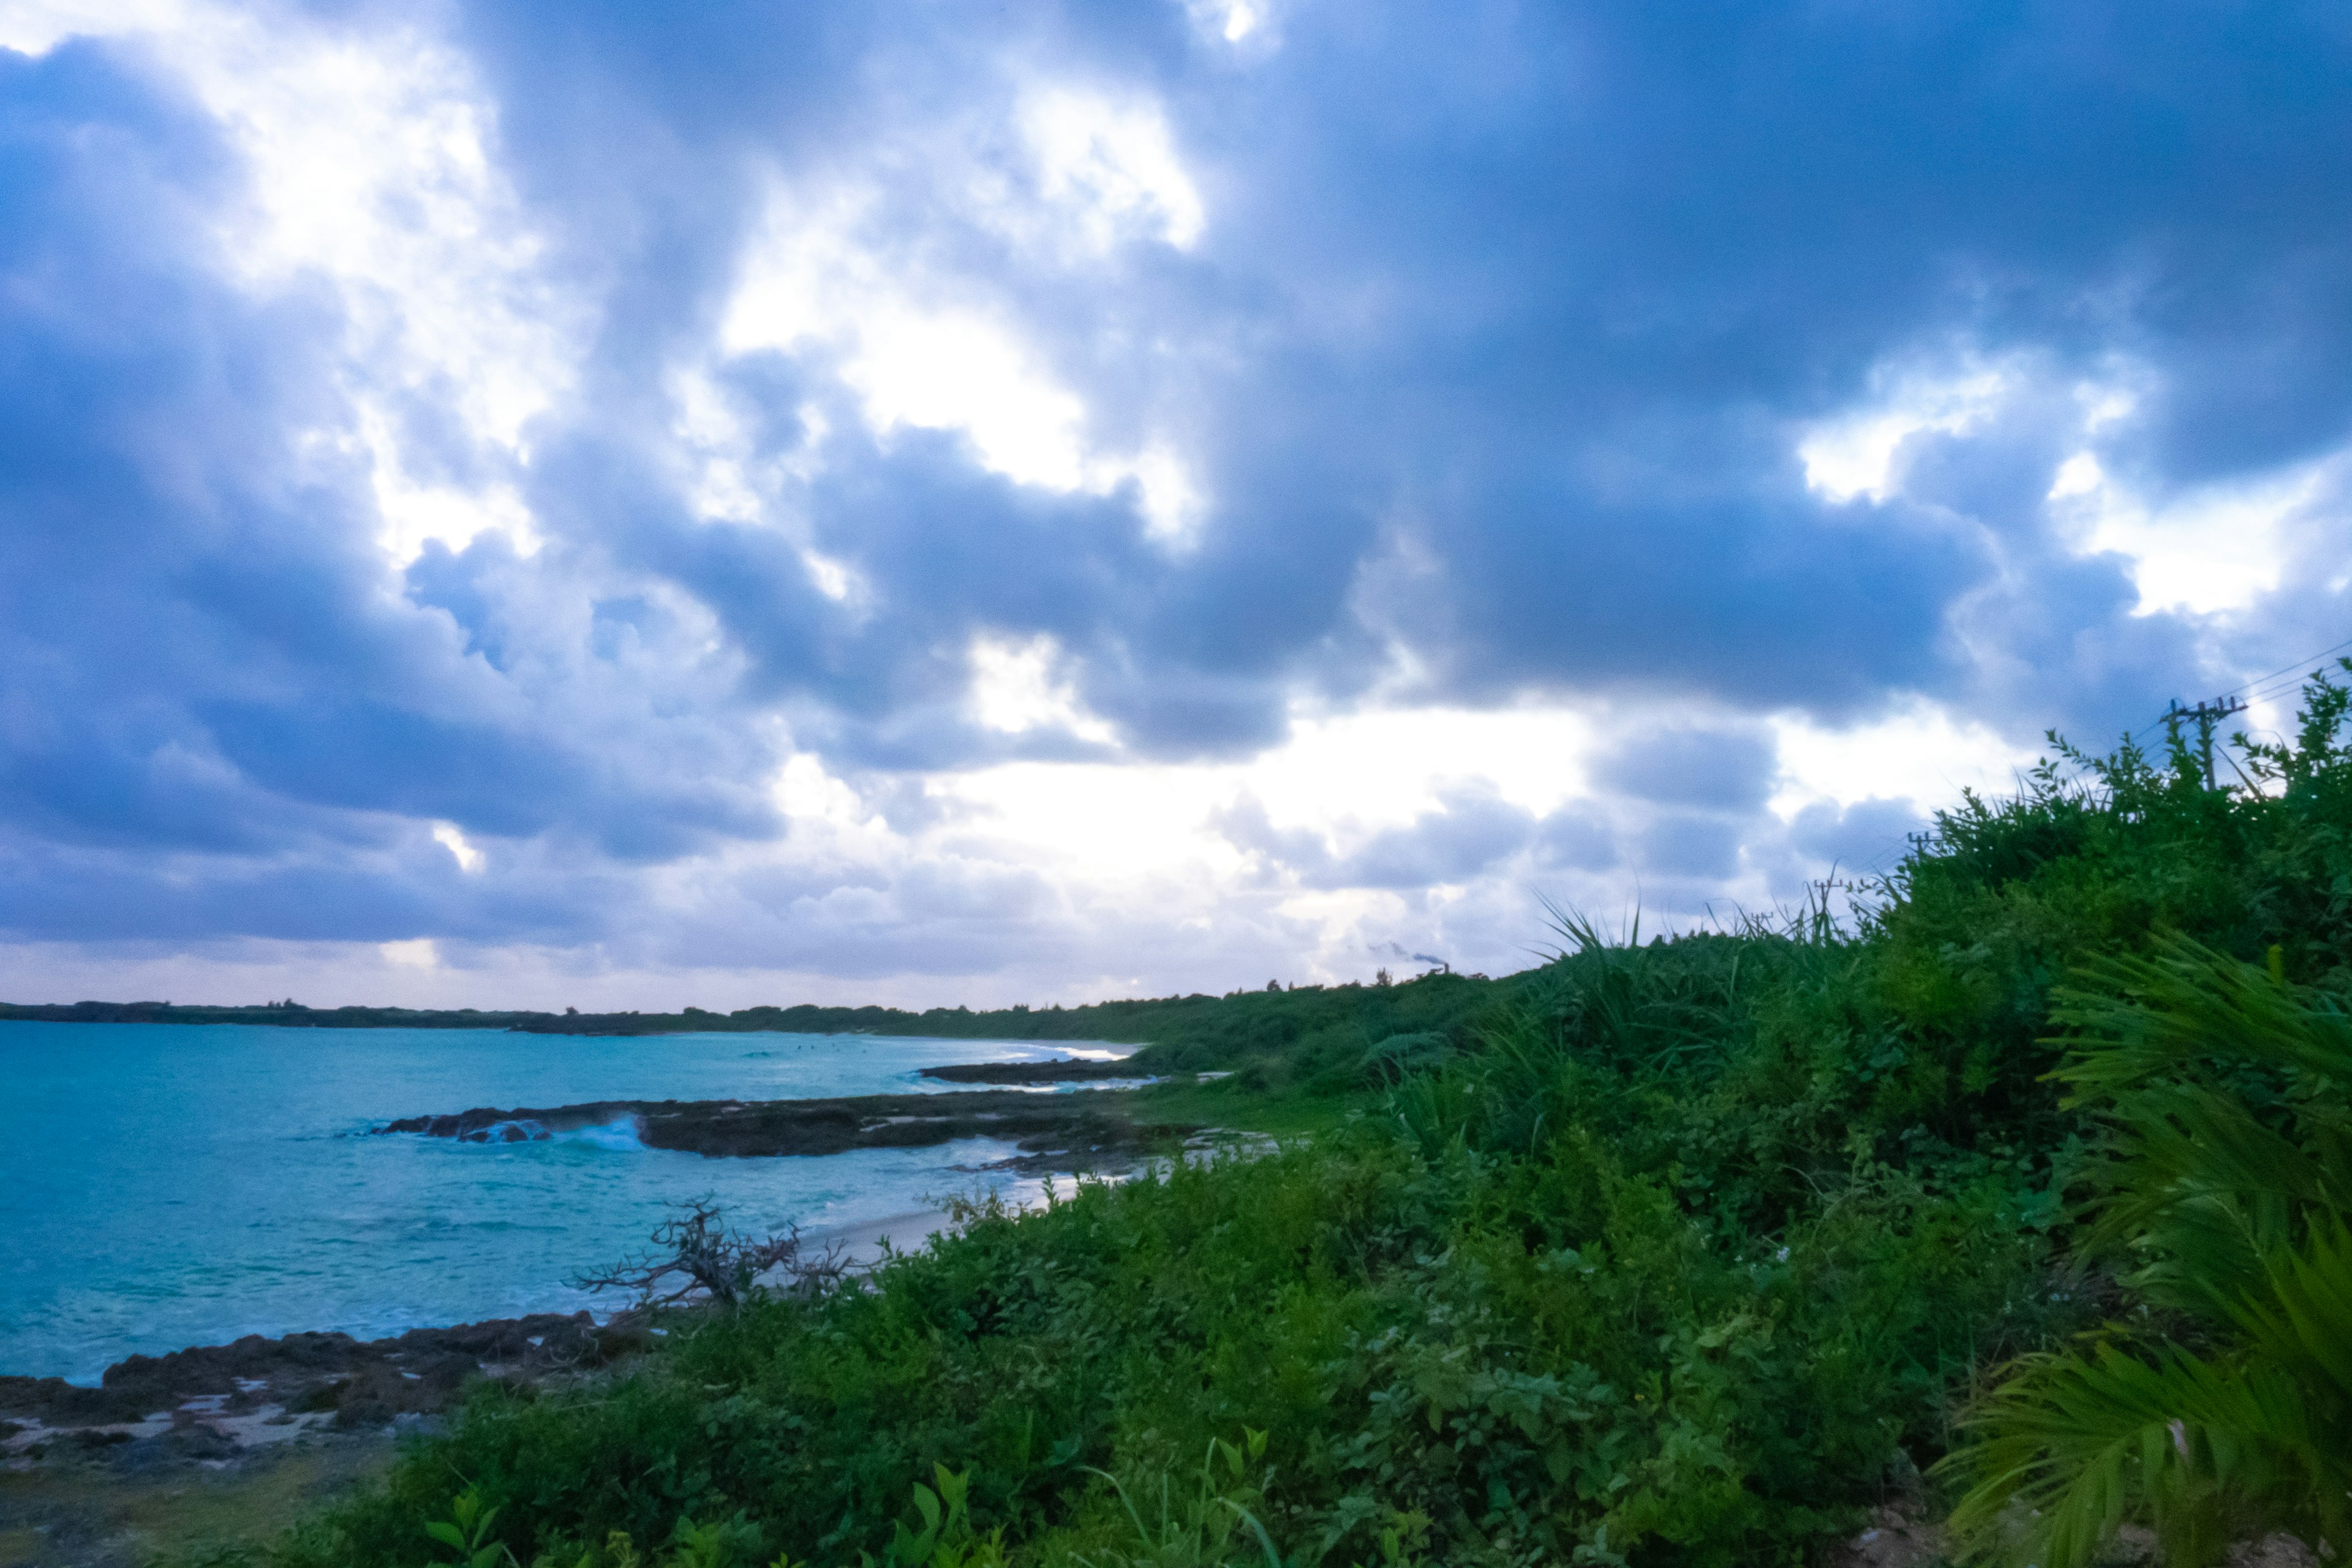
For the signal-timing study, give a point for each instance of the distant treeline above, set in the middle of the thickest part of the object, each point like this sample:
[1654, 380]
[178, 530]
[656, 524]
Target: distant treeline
[1335, 1024]
[287, 1014]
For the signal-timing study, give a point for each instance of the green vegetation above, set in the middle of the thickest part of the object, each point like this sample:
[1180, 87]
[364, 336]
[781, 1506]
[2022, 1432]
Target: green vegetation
[1293, 1027]
[1689, 1252]
[2225, 1407]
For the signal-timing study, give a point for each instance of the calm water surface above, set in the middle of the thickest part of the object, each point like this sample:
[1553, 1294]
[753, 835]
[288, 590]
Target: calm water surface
[168, 1185]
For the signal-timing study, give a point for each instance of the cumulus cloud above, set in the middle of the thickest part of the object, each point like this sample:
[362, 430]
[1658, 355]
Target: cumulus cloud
[512, 478]
[1471, 828]
[1727, 769]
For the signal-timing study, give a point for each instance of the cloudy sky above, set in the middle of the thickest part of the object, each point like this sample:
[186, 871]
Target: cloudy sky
[626, 505]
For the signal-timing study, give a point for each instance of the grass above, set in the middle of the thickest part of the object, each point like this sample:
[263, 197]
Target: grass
[176, 1514]
[1247, 1110]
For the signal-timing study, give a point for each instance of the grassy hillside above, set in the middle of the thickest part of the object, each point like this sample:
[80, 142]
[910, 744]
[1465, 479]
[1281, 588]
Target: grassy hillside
[1682, 1253]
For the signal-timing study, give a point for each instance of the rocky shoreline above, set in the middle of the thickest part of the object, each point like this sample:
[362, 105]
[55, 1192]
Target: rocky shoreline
[213, 1401]
[1064, 1131]
[174, 1451]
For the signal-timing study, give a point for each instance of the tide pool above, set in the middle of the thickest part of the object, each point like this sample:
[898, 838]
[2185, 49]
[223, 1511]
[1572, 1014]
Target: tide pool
[165, 1185]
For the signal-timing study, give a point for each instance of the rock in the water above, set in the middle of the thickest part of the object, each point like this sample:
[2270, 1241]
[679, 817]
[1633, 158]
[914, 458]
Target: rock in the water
[1065, 1131]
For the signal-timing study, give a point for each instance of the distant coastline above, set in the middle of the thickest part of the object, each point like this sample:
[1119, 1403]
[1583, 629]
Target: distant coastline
[1020, 1023]
[1273, 1016]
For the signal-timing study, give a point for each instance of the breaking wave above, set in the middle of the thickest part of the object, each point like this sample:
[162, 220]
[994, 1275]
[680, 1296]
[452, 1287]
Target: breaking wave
[618, 1134]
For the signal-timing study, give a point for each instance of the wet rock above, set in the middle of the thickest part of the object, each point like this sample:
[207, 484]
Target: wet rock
[1085, 1131]
[216, 1397]
[57, 1403]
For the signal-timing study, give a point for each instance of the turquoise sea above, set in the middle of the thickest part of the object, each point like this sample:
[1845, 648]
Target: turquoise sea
[166, 1185]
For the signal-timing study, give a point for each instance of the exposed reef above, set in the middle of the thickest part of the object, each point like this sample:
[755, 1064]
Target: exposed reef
[211, 1401]
[1054, 1131]
[169, 1452]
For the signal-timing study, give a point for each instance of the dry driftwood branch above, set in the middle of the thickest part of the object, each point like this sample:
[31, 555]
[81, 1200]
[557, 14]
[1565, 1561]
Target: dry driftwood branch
[698, 1259]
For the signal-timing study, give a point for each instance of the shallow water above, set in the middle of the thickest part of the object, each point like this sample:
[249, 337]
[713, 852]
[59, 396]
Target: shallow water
[168, 1185]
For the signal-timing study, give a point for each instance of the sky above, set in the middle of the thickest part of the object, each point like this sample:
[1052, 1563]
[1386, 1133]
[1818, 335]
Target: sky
[624, 506]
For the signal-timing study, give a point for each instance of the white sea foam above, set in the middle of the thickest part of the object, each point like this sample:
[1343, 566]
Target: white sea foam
[621, 1133]
[1082, 1087]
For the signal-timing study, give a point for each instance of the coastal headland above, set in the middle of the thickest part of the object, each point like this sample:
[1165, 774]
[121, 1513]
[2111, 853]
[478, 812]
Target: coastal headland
[1053, 1131]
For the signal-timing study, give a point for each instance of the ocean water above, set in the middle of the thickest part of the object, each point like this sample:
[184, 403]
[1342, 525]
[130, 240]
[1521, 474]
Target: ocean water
[164, 1185]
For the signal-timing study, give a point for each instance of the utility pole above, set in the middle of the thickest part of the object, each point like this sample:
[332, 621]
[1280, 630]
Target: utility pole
[2205, 715]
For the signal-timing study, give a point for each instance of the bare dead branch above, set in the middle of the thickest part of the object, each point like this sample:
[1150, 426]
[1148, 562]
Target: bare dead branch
[698, 1260]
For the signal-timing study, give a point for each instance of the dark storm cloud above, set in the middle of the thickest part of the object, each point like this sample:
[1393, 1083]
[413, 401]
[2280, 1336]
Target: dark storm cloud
[402, 888]
[1494, 355]
[216, 715]
[1544, 294]
[1716, 769]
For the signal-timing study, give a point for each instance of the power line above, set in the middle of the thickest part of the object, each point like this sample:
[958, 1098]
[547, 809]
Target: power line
[2295, 670]
[2260, 688]
[2205, 715]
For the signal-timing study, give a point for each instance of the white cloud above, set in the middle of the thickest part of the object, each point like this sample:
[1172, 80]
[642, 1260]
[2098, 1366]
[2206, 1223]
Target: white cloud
[1112, 164]
[37, 26]
[1016, 686]
[417, 953]
[450, 836]
[958, 369]
[2215, 548]
[1852, 454]
[1919, 753]
[822, 804]
[932, 349]
[1233, 21]
[1114, 826]
[806, 282]
[724, 479]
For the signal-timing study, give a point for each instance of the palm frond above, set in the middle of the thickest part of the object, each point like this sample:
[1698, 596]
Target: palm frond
[2074, 1445]
[2303, 1319]
[2227, 1184]
[2146, 1015]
